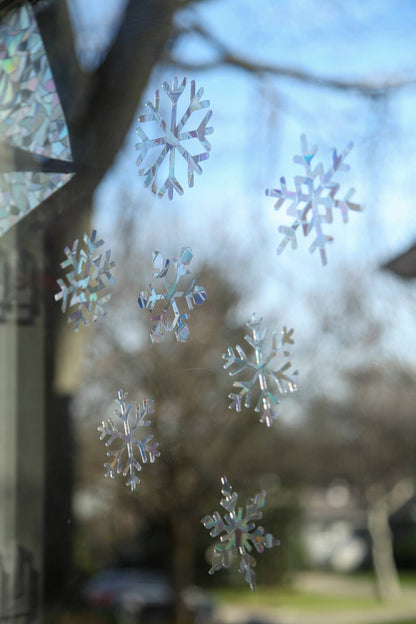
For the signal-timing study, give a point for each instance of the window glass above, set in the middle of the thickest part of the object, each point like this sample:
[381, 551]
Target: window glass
[207, 269]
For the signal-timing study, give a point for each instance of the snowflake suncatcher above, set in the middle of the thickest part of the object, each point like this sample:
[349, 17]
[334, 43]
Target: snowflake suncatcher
[32, 122]
[240, 533]
[128, 440]
[261, 371]
[167, 303]
[312, 206]
[86, 280]
[174, 139]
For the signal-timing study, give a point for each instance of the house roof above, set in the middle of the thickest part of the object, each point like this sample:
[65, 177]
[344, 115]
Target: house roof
[403, 265]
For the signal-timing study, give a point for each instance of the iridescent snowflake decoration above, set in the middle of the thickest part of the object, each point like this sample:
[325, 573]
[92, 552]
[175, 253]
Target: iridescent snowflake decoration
[128, 441]
[172, 138]
[313, 200]
[168, 317]
[260, 372]
[84, 289]
[240, 533]
[33, 129]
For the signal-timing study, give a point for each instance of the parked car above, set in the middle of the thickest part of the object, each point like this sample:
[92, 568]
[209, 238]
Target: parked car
[136, 596]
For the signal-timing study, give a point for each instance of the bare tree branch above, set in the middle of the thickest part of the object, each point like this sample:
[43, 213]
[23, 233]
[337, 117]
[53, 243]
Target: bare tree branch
[55, 27]
[227, 57]
[100, 105]
[401, 493]
[120, 80]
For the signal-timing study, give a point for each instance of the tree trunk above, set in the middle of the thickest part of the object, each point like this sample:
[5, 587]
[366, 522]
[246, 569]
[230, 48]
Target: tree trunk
[387, 578]
[99, 109]
[182, 565]
[183, 546]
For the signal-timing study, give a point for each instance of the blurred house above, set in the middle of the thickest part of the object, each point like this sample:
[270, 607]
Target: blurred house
[403, 265]
[403, 522]
[403, 525]
[335, 534]
[334, 530]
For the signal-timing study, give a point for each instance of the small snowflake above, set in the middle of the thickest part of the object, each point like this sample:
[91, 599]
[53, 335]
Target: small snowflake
[128, 441]
[173, 140]
[86, 279]
[260, 370]
[312, 206]
[167, 303]
[240, 532]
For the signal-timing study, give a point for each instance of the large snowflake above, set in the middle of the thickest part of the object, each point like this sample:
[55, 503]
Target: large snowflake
[313, 200]
[260, 371]
[173, 138]
[88, 274]
[240, 533]
[168, 317]
[129, 442]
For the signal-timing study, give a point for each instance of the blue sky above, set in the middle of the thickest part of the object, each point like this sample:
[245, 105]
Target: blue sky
[257, 129]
